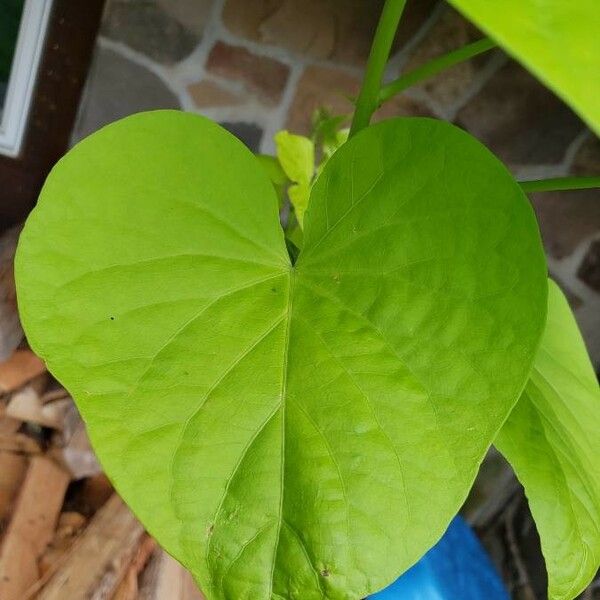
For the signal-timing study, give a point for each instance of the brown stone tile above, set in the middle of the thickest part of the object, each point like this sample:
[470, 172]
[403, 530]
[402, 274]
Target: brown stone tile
[118, 87]
[402, 106]
[208, 93]
[330, 88]
[567, 218]
[146, 27]
[321, 87]
[339, 30]
[192, 14]
[519, 119]
[589, 270]
[249, 133]
[263, 76]
[452, 31]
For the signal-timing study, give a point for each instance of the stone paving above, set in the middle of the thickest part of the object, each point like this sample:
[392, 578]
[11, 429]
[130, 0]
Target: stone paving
[258, 66]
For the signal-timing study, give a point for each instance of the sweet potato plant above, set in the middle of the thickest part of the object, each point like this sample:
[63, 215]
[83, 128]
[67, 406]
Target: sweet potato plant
[299, 414]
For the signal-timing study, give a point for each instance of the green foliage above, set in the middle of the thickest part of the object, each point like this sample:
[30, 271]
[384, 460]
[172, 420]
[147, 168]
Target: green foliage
[556, 39]
[296, 154]
[552, 439]
[276, 174]
[285, 431]
[329, 134]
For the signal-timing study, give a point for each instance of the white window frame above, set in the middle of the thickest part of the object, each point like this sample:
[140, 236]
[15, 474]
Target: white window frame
[23, 75]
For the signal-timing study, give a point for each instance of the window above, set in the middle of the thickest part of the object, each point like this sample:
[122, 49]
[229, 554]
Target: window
[23, 26]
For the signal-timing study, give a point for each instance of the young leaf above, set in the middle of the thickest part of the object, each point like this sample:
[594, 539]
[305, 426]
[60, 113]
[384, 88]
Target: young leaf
[299, 194]
[286, 432]
[275, 173]
[296, 154]
[557, 40]
[552, 439]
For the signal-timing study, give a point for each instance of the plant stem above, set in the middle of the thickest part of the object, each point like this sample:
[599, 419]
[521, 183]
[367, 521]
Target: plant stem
[560, 183]
[368, 99]
[434, 67]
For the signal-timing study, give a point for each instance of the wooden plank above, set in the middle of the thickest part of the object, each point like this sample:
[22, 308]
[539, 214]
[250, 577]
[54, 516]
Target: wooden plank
[165, 578]
[20, 368]
[12, 472]
[97, 562]
[69, 526]
[18, 443]
[128, 589]
[32, 526]
[8, 424]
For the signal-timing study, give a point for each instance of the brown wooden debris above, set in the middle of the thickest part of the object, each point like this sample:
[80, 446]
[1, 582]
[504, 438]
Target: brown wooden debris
[97, 562]
[95, 492]
[77, 455]
[128, 589]
[8, 424]
[19, 369]
[32, 526]
[165, 578]
[69, 526]
[12, 473]
[54, 394]
[27, 405]
[70, 422]
[18, 443]
[11, 332]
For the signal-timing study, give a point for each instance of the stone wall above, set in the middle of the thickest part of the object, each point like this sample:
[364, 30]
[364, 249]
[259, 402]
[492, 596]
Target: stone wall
[258, 66]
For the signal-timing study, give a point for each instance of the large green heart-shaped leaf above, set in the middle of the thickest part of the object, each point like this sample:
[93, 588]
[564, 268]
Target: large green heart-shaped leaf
[552, 439]
[556, 39]
[301, 431]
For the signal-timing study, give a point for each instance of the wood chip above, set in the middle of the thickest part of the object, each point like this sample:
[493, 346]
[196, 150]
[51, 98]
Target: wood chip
[9, 425]
[12, 473]
[32, 526]
[69, 526]
[97, 562]
[11, 332]
[77, 456]
[70, 522]
[27, 405]
[94, 493]
[18, 443]
[20, 368]
[128, 589]
[164, 578]
[55, 394]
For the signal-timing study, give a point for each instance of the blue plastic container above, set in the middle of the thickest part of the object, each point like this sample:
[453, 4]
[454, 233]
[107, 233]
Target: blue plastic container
[456, 568]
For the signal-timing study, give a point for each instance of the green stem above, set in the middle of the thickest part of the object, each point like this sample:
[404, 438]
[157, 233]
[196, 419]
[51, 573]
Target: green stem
[560, 183]
[434, 67]
[368, 99]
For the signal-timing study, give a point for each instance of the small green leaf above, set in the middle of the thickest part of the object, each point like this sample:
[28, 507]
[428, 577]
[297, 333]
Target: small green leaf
[552, 439]
[292, 432]
[299, 194]
[556, 39]
[296, 154]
